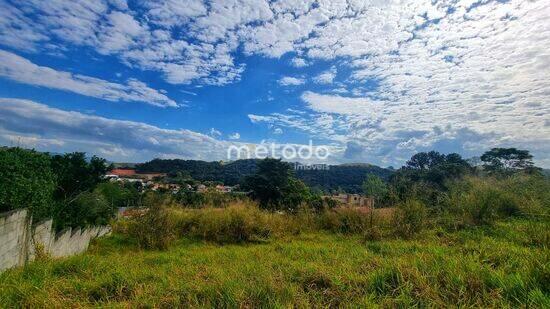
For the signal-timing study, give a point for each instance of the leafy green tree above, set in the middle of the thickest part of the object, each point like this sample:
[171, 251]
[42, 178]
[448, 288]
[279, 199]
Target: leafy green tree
[26, 180]
[425, 176]
[435, 168]
[374, 186]
[425, 160]
[119, 194]
[275, 187]
[295, 194]
[507, 160]
[76, 175]
[87, 209]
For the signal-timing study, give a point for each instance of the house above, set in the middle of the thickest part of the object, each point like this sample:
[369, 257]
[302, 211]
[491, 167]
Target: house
[166, 186]
[224, 189]
[354, 200]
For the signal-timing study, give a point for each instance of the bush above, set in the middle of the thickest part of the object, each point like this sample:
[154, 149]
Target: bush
[409, 218]
[475, 201]
[345, 221]
[234, 224]
[26, 180]
[88, 208]
[154, 229]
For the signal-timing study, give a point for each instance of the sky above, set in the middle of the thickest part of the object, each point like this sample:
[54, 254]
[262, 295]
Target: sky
[371, 81]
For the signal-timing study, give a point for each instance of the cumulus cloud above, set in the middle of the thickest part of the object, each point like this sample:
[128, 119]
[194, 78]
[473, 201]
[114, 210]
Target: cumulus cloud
[24, 71]
[291, 81]
[327, 77]
[410, 65]
[299, 62]
[31, 124]
[52, 129]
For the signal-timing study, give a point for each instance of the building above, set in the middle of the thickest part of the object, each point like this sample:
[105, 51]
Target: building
[354, 200]
[131, 173]
[120, 172]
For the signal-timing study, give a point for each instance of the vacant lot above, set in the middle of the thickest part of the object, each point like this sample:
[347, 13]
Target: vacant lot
[505, 265]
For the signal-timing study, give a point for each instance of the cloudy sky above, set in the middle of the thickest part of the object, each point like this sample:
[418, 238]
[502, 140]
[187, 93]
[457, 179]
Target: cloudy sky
[375, 81]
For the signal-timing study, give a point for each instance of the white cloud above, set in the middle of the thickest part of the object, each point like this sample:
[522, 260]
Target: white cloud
[278, 131]
[57, 130]
[414, 64]
[30, 124]
[234, 136]
[299, 62]
[22, 70]
[327, 77]
[291, 81]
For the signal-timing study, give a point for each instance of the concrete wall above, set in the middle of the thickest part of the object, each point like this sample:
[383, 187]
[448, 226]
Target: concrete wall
[20, 239]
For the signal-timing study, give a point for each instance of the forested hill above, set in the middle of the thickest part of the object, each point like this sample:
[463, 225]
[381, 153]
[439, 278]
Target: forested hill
[347, 177]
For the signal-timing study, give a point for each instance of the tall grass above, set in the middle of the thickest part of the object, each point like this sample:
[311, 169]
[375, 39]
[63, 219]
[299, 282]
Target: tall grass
[479, 267]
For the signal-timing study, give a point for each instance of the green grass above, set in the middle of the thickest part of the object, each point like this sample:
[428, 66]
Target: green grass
[507, 265]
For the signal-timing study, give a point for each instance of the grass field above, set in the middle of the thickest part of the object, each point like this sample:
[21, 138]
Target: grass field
[507, 265]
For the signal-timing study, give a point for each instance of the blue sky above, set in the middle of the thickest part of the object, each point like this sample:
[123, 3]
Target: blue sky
[374, 81]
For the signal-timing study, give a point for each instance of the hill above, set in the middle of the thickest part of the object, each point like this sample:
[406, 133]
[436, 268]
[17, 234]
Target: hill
[348, 177]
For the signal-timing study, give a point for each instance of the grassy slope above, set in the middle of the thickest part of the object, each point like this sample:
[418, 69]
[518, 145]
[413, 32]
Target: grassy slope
[502, 266]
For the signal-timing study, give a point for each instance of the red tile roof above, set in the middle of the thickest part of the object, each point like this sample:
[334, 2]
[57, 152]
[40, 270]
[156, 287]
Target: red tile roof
[122, 172]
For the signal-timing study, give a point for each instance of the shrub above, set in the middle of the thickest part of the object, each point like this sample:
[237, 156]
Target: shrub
[345, 221]
[26, 180]
[155, 229]
[88, 208]
[475, 201]
[234, 224]
[409, 218]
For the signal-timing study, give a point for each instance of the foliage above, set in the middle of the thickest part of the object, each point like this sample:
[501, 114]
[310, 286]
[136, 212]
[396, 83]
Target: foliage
[26, 180]
[229, 174]
[119, 194]
[275, 187]
[86, 209]
[481, 201]
[425, 175]
[191, 199]
[238, 223]
[346, 221]
[502, 266]
[155, 229]
[507, 160]
[75, 174]
[409, 218]
[346, 177]
[374, 186]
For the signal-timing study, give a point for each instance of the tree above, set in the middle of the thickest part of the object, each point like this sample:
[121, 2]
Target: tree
[425, 160]
[434, 168]
[507, 160]
[275, 187]
[426, 174]
[374, 186]
[87, 209]
[76, 175]
[26, 180]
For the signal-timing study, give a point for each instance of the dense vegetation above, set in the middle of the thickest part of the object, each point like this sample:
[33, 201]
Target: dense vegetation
[345, 178]
[242, 256]
[451, 235]
[62, 187]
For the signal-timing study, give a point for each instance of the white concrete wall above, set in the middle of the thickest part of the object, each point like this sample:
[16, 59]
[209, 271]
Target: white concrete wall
[19, 239]
[13, 238]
